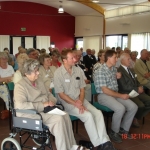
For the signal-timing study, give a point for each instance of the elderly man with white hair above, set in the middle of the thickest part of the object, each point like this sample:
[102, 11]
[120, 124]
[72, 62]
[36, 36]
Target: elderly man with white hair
[127, 83]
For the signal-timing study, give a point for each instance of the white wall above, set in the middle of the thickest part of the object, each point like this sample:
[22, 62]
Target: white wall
[128, 24]
[88, 25]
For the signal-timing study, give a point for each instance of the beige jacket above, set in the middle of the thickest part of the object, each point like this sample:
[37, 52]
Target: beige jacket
[140, 69]
[26, 96]
[47, 76]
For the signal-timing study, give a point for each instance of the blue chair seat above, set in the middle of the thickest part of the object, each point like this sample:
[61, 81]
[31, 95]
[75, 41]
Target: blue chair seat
[73, 118]
[101, 107]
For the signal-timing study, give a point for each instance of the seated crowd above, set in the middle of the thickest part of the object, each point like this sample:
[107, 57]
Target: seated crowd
[114, 73]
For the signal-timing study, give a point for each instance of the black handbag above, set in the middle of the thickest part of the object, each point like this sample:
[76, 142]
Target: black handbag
[49, 108]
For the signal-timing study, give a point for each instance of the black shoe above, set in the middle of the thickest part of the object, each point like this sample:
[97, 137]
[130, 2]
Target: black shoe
[87, 144]
[125, 134]
[106, 146]
[115, 137]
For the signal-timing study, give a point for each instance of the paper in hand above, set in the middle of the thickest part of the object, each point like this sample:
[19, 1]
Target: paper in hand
[133, 94]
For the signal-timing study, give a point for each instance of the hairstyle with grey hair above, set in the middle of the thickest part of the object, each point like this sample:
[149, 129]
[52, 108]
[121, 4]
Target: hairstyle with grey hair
[3, 55]
[29, 66]
[42, 57]
[30, 50]
[123, 55]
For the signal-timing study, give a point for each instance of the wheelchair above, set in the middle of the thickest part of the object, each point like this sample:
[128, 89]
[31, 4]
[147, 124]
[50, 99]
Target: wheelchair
[32, 128]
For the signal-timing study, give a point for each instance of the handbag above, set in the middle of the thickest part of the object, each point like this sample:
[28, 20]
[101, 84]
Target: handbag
[4, 114]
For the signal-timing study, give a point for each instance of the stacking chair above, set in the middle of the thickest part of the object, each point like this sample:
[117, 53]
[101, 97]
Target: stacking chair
[106, 111]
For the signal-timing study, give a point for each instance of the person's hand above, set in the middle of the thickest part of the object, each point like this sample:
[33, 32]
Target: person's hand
[48, 103]
[140, 89]
[87, 81]
[51, 103]
[118, 75]
[124, 96]
[146, 75]
[78, 103]
[82, 109]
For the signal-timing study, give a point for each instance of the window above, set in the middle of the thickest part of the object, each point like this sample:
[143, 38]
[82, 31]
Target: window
[79, 43]
[140, 41]
[117, 40]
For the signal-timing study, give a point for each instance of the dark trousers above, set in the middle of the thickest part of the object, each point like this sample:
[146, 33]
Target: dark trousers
[143, 103]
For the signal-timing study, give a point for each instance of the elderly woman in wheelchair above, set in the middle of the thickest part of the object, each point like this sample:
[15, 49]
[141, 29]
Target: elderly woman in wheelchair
[31, 96]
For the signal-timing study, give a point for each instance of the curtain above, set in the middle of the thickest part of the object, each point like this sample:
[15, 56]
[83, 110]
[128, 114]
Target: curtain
[140, 41]
[43, 42]
[4, 42]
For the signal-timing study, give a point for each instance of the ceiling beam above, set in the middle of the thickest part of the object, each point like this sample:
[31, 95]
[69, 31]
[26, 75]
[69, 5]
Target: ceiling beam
[90, 4]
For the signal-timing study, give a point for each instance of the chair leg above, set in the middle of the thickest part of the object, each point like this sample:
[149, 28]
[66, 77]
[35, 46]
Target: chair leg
[107, 120]
[77, 126]
[143, 120]
[73, 125]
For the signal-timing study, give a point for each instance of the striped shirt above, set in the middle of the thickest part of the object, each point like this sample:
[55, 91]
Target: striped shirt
[69, 84]
[105, 76]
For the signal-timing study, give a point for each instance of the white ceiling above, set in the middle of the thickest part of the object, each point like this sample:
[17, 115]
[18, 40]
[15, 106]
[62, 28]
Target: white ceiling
[77, 9]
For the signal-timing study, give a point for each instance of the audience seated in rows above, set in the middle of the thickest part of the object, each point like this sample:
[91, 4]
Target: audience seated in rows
[142, 69]
[6, 74]
[59, 125]
[105, 80]
[127, 83]
[69, 85]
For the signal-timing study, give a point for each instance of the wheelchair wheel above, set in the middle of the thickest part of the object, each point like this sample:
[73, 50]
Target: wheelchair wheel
[10, 144]
[39, 140]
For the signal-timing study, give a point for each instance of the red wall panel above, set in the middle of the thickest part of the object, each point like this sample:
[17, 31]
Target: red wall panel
[38, 19]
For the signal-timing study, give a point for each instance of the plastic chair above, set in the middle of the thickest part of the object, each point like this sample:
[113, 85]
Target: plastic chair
[106, 111]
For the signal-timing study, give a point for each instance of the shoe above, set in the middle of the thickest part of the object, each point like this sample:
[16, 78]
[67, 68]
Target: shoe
[115, 137]
[106, 146]
[135, 123]
[125, 134]
[78, 147]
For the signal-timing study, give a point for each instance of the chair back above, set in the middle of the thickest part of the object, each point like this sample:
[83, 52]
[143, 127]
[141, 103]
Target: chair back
[93, 90]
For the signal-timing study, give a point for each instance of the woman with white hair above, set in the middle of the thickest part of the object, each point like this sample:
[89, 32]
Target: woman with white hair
[30, 93]
[6, 74]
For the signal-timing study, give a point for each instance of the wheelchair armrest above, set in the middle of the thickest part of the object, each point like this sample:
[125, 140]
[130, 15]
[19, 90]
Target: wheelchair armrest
[27, 111]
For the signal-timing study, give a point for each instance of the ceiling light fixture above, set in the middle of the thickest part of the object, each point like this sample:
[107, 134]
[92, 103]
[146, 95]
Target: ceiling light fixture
[95, 1]
[61, 9]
